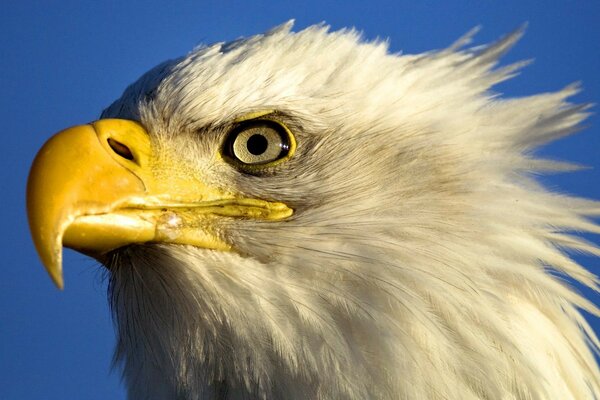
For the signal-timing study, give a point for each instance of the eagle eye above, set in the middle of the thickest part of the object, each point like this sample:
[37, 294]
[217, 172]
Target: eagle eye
[254, 144]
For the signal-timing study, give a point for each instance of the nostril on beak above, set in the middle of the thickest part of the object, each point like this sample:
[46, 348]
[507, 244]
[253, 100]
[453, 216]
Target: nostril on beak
[120, 149]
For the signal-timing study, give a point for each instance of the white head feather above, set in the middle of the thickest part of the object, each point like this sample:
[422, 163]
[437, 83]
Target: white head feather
[422, 261]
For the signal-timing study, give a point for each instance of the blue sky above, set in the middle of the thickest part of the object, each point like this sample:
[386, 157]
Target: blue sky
[62, 63]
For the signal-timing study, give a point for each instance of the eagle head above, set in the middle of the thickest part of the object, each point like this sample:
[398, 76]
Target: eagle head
[306, 216]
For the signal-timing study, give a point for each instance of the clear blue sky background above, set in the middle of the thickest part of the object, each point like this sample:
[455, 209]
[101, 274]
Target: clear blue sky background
[62, 62]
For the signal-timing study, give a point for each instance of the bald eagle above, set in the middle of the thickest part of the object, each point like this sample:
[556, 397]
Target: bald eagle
[307, 216]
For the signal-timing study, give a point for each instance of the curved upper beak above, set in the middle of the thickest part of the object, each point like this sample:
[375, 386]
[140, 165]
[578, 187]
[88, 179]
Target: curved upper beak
[77, 173]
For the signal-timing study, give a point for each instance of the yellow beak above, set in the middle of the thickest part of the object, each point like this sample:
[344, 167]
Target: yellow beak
[93, 188]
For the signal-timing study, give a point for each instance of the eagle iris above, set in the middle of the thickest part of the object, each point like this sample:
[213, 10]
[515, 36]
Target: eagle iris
[257, 143]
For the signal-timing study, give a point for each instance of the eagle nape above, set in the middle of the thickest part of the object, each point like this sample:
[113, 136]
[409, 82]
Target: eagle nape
[303, 215]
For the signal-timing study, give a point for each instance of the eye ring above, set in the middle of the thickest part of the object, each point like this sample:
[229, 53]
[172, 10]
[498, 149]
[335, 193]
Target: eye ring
[257, 144]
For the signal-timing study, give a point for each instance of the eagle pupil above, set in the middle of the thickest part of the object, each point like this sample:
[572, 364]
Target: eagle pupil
[257, 144]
